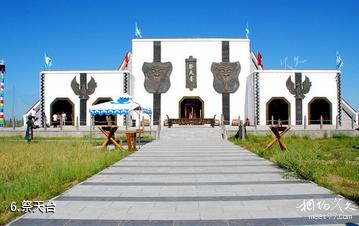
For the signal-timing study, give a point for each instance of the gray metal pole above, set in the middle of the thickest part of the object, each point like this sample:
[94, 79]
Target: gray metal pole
[353, 121]
[255, 122]
[337, 122]
[13, 123]
[150, 126]
[91, 121]
[305, 122]
[321, 122]
[77, 122]
[243, 131]
[289, 122]
[159, 129]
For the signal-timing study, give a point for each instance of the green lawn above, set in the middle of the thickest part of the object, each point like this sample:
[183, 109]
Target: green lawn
[330, 162]
[41, 170]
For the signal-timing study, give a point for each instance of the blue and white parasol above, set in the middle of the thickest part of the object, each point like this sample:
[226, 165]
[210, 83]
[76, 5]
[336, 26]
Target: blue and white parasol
[122, 106]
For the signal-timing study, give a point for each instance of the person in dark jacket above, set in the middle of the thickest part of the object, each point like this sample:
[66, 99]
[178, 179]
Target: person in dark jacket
[30, 128]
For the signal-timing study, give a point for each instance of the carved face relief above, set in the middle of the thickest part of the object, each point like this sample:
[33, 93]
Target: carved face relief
[157, 76]
[225, 76]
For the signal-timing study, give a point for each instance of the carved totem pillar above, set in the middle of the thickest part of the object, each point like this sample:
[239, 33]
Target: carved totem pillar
[83, 90]
[157, 79]
[225, 79]
[298, 89]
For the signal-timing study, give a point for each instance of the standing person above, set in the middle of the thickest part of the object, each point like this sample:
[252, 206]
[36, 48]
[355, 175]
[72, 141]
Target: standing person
[30, 129]
[63, 117]
[33, 112]
[54, 120]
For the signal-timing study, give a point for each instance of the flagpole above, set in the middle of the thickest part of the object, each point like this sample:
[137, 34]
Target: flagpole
[2, 86]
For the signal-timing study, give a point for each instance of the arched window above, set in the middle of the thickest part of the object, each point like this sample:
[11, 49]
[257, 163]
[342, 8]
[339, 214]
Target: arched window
[317, 107]
[60, 106]
[278, 108]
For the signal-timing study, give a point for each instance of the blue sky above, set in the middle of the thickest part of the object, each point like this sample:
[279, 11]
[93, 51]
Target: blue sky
[87, 34]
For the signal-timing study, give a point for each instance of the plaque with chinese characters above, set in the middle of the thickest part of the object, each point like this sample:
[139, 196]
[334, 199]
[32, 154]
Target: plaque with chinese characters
[191, 73]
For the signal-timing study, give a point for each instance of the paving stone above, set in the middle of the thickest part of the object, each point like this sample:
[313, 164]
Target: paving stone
[189, 177]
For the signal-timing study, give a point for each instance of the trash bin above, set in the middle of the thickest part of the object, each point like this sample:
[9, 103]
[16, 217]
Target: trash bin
[133, 122]
[131, 140]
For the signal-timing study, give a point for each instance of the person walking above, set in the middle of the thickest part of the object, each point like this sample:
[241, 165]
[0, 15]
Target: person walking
[30, 128]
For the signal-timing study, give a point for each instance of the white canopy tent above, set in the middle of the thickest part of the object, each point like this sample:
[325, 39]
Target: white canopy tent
[124, 105]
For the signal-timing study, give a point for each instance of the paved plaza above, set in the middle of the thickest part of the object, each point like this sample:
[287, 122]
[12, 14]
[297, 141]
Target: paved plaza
[191, 176]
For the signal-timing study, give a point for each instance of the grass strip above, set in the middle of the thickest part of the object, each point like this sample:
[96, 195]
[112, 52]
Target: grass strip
[330, 162]
[42, 170]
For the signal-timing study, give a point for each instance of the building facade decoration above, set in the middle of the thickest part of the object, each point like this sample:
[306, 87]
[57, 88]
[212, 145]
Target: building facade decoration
[191, 73]
[298, 89]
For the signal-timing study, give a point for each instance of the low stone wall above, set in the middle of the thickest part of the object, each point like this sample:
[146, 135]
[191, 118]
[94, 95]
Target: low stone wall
[316, 133]
[231, 130]
[66, 133]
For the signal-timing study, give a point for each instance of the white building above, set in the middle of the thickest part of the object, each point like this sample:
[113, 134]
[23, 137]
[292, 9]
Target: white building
[74, 92]
[198, 78]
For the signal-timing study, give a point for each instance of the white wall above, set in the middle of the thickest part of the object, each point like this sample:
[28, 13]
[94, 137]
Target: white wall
[206, 51]
[273, 84]
[58, 85]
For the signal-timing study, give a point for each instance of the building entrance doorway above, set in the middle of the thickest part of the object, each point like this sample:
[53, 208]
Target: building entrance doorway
[278, 109]
[320, 107]
[62, 107]
[191, 108]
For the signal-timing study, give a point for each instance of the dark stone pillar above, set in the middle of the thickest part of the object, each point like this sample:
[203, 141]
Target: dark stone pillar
[298, 101]
[156, 96]
[225, 96]
[156, 108]
[83, 102]
[83, 105]
[225, 108]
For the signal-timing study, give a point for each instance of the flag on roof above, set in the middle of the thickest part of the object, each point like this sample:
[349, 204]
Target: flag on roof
[340, 62]
[137, 31]
[126, 61]
[48, 62]
[247, 32]
[259, 60]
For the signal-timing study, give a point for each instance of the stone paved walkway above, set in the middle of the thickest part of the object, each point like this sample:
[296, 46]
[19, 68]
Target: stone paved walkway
[193, 177]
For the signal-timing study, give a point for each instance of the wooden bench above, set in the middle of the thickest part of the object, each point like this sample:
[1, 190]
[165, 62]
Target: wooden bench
[187, 121]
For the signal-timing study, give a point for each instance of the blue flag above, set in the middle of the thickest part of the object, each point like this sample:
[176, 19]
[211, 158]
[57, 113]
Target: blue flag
[247, 32]
[340, 62]
[137, 31]
[48, 62]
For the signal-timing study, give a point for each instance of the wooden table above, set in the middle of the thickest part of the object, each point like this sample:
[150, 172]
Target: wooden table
[194, 121]
[279, 132]
[110, 136]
